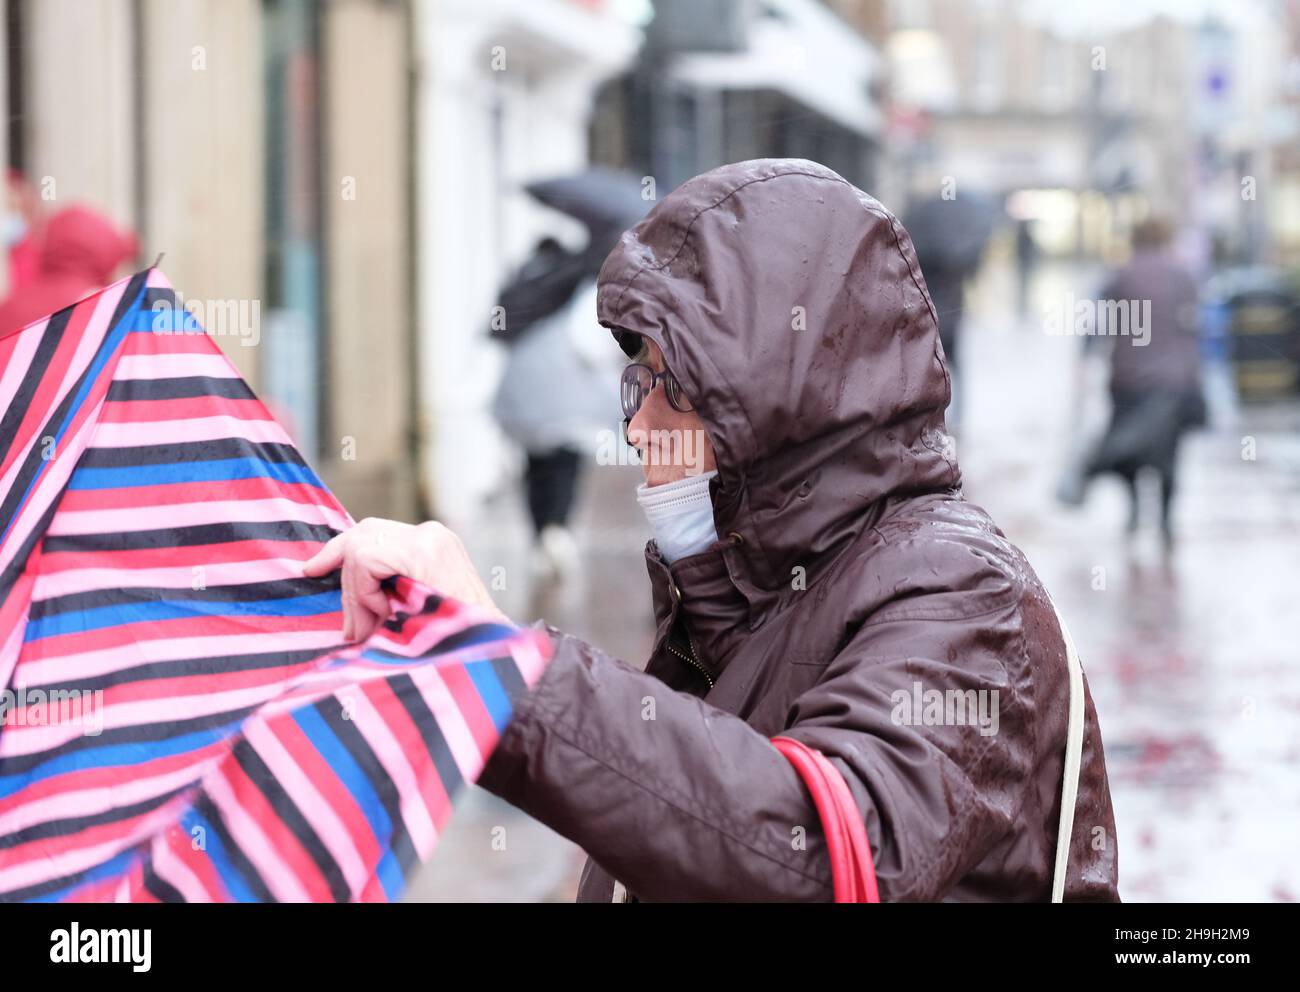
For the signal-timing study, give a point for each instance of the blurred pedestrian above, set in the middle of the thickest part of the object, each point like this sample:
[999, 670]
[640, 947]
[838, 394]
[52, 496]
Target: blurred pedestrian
[950, 234]
[1155, 371]
[81, 252]
[1026, 264]
[23, 230]
[555, 394]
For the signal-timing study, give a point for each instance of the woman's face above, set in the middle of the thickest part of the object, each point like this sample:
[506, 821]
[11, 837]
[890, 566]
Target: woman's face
[672, 444]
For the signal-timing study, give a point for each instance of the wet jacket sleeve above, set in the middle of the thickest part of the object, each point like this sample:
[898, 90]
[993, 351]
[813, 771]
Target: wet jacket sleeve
[682, 801]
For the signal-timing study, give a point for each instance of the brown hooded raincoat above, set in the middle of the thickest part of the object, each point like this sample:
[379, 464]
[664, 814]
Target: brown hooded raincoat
[851, 574]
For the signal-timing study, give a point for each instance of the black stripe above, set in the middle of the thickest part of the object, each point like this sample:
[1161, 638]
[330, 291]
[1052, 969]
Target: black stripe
[205, 807]
[181, 388]
[158, 294]
[13, 416]
[17, 764]
[184, 537]
[469, 637]
[287, 810]
[190, 451]
[76, 824]
[18, 564]
[247, 592]
[511, 680]
[408, 694]
[31, 892]
[183, 667]
[34, 460]
[331, 711]
[156, 886]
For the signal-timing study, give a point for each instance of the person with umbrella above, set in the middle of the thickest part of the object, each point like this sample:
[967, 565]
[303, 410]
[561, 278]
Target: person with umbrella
[950, 235]
[552, 398]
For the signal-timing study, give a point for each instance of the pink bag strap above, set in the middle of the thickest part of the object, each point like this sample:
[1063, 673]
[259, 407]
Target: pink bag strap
[852, 871]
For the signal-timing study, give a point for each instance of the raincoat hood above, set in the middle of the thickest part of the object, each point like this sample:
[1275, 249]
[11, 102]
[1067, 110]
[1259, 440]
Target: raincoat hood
[790, 306]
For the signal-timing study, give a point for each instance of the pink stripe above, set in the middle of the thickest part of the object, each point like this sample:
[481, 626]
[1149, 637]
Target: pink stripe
[144, 518]
[282, 882]
[371, 724]
[52, 584]
[176, 872]
[139, 712]
[88, 664]
[451, 721]
[174, 366]
[79, 859]
[10, 647]
[307, 798]
[100, 799]
[70, 446]
[129, 435]
[48, 489]
[25, 346]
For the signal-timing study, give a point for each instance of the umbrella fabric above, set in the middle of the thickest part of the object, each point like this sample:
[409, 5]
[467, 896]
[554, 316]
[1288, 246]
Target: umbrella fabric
[181, 720]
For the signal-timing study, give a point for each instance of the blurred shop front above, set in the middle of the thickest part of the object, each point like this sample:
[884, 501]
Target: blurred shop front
[264, 146]
[727, 80]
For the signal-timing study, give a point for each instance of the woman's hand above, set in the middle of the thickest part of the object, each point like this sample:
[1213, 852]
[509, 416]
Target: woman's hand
[375, 549]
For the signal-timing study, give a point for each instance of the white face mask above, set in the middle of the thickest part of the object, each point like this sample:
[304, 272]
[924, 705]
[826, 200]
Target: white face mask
[680, 515]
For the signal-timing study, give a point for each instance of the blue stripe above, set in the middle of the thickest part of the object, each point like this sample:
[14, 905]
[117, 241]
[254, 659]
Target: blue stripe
[80, 621]
[171, 320]
[166, 473]
[353, 777]
[216, 853]
[113, 755]
[493, 693]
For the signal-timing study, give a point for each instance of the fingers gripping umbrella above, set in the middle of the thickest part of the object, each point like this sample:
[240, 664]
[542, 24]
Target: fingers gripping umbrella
[179, 717]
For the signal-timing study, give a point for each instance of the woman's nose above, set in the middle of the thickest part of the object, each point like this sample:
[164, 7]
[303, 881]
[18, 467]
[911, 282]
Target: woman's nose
[639, 426]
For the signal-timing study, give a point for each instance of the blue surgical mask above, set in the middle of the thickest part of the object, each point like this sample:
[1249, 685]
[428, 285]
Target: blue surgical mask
[15, 229]
[680, 515]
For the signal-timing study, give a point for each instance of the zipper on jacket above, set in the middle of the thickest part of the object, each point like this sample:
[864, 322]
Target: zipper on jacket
[691, 659]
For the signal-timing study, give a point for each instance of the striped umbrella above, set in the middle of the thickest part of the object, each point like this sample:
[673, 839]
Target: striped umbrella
[179, 718]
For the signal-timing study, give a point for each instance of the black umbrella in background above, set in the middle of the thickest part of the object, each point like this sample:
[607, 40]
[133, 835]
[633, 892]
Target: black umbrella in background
[951, 235]
[606, 202]
[600, 198]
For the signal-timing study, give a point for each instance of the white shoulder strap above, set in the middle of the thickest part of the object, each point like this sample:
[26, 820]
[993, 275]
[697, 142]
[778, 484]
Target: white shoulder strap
[1073, 760]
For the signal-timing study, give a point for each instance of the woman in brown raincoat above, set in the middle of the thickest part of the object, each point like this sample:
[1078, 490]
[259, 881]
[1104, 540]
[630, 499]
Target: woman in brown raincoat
[849, 578]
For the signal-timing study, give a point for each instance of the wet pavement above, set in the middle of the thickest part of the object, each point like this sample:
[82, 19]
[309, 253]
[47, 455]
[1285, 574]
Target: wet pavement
[1191, 657]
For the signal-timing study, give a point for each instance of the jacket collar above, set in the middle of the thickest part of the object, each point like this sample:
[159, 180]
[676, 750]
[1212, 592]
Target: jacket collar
[701, 588]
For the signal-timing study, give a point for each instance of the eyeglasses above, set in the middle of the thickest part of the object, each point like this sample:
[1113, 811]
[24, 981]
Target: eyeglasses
[638, 382]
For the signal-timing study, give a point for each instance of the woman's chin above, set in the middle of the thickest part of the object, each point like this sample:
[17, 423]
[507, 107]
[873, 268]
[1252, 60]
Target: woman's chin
[658, 475]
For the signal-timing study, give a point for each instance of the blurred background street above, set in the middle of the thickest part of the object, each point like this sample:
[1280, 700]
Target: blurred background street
[348, 190]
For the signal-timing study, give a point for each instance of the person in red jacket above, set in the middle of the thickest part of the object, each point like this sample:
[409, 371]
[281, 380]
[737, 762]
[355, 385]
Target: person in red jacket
[80, 254]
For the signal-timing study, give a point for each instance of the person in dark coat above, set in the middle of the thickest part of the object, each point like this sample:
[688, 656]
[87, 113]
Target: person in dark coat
[814, 569]
[1155, 369]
